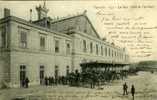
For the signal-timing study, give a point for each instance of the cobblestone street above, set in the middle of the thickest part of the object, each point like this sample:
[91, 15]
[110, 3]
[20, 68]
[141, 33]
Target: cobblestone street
[145, 85]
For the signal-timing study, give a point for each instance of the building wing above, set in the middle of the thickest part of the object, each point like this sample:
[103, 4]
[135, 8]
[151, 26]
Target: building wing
[65, 25]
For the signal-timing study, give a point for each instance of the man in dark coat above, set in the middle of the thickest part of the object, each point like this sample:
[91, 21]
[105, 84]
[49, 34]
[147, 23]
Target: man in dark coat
[27, 82]
[125, 89]
[133, 91]
[46, 81]
[51, 80]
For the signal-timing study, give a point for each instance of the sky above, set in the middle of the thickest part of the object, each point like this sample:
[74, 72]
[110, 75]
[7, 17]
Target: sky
[70, 8]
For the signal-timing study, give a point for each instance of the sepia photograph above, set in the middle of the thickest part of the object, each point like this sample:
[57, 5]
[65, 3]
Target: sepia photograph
[78, 50]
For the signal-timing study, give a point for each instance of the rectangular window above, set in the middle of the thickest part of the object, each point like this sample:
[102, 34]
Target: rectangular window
[22, 67]
[84, 46]
[106, 51]
[122, 55]
[22, 74]
[41, 74]
[68, 48]
[56, 46]
[56, 72]
[23, 39]
[115, 54]
[102, 50]
[42, 42]
[67, 70]
[91, 47]
[3, 36]
[109, 52]
[97, 49]
[112, 53]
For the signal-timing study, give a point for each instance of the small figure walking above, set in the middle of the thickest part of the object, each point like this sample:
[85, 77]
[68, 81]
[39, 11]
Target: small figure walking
[133, 91]
[125, 89]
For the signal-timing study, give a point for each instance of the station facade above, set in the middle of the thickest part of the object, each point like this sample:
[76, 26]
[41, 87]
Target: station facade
[50, 47]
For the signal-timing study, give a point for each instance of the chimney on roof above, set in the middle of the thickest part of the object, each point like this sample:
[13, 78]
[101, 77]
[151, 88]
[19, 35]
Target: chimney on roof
[85, 12]
[30, 15]
[6, 12]
[104, 38]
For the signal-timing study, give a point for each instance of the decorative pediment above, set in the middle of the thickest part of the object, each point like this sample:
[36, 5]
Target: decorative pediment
[80, 23]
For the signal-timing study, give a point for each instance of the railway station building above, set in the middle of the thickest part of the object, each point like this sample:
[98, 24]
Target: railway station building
[49, 47]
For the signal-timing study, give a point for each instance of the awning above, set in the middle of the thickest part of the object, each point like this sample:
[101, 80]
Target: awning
[101, 64]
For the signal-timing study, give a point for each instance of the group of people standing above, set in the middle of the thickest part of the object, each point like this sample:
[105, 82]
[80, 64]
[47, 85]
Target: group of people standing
[63, 80]
[91, 78]
[25, 82]
[125, 90]
[48, 81]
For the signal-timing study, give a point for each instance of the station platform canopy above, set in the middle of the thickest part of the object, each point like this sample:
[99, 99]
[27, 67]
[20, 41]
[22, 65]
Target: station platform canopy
[103, 64]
